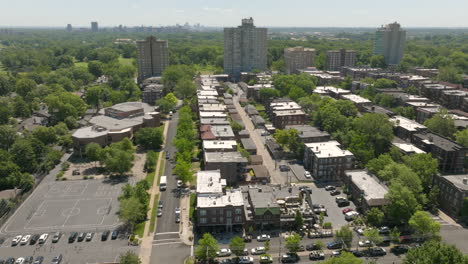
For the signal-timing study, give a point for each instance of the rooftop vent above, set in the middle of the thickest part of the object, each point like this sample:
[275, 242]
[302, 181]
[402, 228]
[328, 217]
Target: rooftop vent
[465, 181]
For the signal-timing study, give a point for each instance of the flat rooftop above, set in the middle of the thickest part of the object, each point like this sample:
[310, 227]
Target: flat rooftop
[130, 106]
[208, 93]
[209, 182]
[371, 187]
[332, 89]
[227, 157]
[248, 144]
[222, 131]
[214, 121]
[288, 112]
[89, 132]
[114, 124]
[232, 197]
[457, 180]
[284, 106]
[408, 148]
[356, 99]
[441, 142]
[212, 107]
[306, 131]
[212, 114]
[219, 144]
[423, 104]
[406, 123]
[328, 149]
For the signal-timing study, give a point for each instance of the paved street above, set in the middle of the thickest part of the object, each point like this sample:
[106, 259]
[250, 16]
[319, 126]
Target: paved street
[276, 177]
[167, 246]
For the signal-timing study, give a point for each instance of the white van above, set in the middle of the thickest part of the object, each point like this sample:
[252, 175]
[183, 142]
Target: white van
[163, 183]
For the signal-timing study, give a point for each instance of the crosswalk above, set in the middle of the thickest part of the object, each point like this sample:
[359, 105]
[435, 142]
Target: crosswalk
[166, 238]
[440, 221]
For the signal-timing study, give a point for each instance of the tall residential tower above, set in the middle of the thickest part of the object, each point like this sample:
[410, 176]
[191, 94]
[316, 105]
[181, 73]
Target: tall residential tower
[94, 26]
[337, 59]
[390, 41]
[245, 48]
[152, 57]
[298, 58]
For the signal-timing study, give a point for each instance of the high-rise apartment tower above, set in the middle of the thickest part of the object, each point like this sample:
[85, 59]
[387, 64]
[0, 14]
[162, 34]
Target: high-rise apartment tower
[298, 58]
[152, 57]
[390, 42]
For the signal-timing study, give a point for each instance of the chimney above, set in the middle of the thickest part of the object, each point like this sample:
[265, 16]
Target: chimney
[465, 181]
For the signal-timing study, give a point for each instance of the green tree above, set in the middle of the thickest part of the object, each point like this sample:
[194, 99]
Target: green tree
[93, 96]
[96, 68]
[206, 248]
[185, 88]
[151, 160]
[344, 235]
[150, 138]
[403, 203]
[424, 225]
[385, 83]
[441, 123]
[22, 153]
[373, 236]
[63, 104]
[378, 61]
[8, 137]
[435, 252]
[7, 83]
[25, 86]
[131, 211]
[462, 137]
[298, 220]
[267, 94]
[93, 152]
[237, 246]
[293, 243]
[449, 74]
[167, 103]
[236, 127]
[46, 135]
[425, 166]
[379, 163]
[117, 161]
[21, 108]
[400, 172]
[375, 217]
[183, 170]
[395, 235]
[173, 73]
[344, 258]
[129, 258]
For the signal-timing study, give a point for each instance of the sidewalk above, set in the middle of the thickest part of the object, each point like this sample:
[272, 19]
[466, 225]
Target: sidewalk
[268, 162]
[147, 240]
[186, 228]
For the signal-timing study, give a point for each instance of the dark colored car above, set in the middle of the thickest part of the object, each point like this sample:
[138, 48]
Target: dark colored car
[81, 236]
[115, 234]
[334, 245]
[384, 230]
[311, 247]
[57, 259]
[177, 218]
[247, 238]
[335, 192]
[72, 237]
[167, 156]
[29, 259]
[284, 168]
[301, 248]
[342, 203]
[34, 239]
[39, 260]
[290, 258]
[2, 261]
[358, 253]
[10, 261]
[377, 251]
[398, 250]
[105, 235]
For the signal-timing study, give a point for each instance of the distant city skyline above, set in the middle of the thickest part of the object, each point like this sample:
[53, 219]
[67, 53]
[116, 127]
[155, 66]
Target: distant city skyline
[267, 13]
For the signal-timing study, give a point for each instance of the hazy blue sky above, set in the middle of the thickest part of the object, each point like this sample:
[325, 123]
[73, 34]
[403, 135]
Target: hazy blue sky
[310, 13]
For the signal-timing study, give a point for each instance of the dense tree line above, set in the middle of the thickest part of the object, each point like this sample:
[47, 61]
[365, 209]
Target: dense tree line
[185, 143]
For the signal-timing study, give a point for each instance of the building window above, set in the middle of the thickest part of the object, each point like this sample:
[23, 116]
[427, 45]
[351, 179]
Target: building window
[228, 213]
[202, 212]
[203, 220]
[238, 219]
[238, 211]
[221, 219]
[213, 220]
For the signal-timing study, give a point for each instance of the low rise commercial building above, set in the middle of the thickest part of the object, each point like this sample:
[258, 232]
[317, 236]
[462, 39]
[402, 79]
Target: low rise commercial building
[453, 190]
[217, 208]
[326, 161]
[451, 155]
[367, 191]
[231, 164]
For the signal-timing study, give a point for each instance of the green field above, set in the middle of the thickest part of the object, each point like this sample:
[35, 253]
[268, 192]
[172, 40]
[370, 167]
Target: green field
[125, 61]
[81, 64]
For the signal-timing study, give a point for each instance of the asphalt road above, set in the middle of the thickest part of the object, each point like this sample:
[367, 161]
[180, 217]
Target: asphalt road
[167, 246]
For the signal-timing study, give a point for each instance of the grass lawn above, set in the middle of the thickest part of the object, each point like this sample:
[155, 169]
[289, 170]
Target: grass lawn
[153, 214]
[81, 64]
[139, 229]
[125, 61]
[150, 176]
[193, 199]
[260, 107]
[161, 169]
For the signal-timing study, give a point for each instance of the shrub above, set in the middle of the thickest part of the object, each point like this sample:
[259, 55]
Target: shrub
[327, 225]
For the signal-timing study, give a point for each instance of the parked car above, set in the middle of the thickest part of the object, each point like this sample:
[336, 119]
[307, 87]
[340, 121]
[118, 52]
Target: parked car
[349, 216]
[177, 210]
[167, 155]
[224, 252]
[284, 168]
[384, 230]
[245, 260]
[114, 235]
[365, 243]
[72, 237]
[20, 261]
[307, 175]
[160, 204]
[177, 218]
[336, 253]
[39, 260]
[266, 259]
[56, 237]
[81, 236]
[335, 192]
[318, 211]
[398, 250]
[263, 237]
[330, 188]
[334, 245]
[89, 236]
[57, 259]
[305, 189]
[258, 250]
[34, 239]
[179, 184]
[346, 210]
[105, 235]
[29, 259]
[160, 212]
[290, 258]
[311, 247]
[317, 255]
[359, 230]
[377, 251]
[25, 240]
[16, 240]
[358, 253]
[10, 261]
[43, 238]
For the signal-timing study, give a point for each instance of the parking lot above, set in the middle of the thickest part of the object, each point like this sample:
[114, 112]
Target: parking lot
[68, 206]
